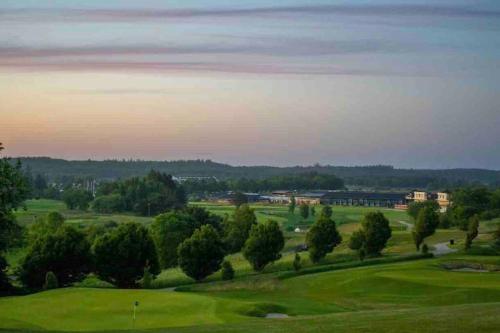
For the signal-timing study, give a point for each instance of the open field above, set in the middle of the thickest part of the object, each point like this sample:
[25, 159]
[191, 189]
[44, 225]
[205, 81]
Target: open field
[336, 299]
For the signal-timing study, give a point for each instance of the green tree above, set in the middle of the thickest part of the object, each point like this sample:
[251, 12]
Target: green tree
[65, 252]
[327, 211]
[14, 189]
[425, 226]
[122, 254]
[292, 205]
[472, 231]
[313, 211]
[357, 242]
[297, 264]
[76, 198]
[496, 236]
[227, 271]
[372, 238]
[239, 199]
[147, 278]
[415, 207]
[237, 229]
[322, 238]
[304, 210]
[108, 204]
[50, 281]
[39, 185]
[445, 221]
[264, 244]
[168, 231]
[45, 225]
[202, 253]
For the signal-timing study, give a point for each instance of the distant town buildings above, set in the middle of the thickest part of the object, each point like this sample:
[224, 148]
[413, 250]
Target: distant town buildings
[398, 200]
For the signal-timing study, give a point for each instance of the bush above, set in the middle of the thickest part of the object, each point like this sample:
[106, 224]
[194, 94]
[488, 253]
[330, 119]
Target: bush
[122, 254]
[297, 265]
[147, 278]
[4, 280]
[227, 271]
[50, 281]
[425, 249]
[202, 253]
[264, 244]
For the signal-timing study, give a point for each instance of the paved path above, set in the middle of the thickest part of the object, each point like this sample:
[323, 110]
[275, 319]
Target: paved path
[442, 249]
[408, 226]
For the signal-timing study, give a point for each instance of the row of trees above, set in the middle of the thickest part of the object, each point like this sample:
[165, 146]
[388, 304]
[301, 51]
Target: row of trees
[302, 181]
[148, 196]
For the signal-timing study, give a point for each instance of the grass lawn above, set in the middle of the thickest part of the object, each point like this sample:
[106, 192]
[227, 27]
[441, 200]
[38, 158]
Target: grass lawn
[391, 296]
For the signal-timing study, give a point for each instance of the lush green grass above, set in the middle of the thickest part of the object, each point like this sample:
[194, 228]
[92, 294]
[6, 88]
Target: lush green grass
[41, 207]
[335, 300]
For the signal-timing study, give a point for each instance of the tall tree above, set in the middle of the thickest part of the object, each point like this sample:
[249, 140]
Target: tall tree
[322, 238]
[472, 231]
[14, 190]
[264, 244]
[201, 254]
[327, 211]
[239, 199]
[292, 205]
[122, 254]
[237, 229]
[168, 231]
[304, 210]
[425, 226]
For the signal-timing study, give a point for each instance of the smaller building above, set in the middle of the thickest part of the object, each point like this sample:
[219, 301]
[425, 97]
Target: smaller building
[444, 201]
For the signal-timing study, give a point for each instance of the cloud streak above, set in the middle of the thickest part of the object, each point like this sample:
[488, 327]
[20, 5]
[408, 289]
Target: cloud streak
[166, 67]
[103, 15]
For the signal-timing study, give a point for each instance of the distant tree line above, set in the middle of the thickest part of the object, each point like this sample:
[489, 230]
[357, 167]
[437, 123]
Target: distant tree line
[378, 176]
[148, 196]
[303, 181]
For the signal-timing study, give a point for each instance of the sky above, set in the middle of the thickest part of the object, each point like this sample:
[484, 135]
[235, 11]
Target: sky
[414, 84]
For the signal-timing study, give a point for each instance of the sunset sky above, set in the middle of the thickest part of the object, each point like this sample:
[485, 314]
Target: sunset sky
[407, 83]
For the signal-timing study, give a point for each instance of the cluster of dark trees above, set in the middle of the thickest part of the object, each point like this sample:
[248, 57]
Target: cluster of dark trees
[379, 176]
[153, 194]
[14, 189]
[303, 181]
[131, 254]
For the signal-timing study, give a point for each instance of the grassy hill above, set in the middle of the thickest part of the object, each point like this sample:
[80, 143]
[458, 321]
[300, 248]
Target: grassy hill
[394, 294]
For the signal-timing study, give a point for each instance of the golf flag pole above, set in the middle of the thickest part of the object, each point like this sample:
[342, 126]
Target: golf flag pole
[136, 304]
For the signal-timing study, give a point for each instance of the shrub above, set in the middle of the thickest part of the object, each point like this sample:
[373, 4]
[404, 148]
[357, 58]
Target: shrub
[425, 249]
[227, 271]
[297, 265]
[147, 278]
[50, 281]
